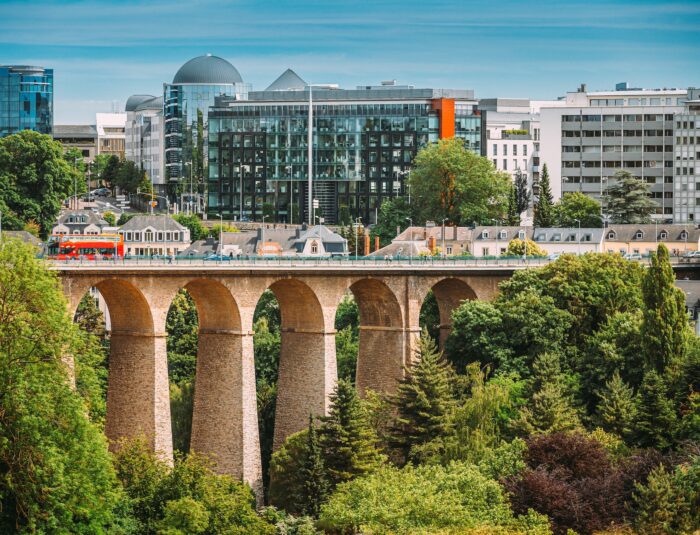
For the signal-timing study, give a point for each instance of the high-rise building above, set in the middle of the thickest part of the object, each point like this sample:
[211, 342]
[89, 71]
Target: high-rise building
[144, 137]
[597, 134]
[186, 107]
[364, 142]
[26, 99]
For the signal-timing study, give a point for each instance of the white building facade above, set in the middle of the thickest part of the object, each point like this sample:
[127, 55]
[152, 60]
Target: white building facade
[110, 133]
[597, 134]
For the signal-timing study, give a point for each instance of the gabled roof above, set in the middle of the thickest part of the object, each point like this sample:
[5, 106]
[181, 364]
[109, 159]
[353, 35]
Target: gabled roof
[288, 80]
[158, 222]
[402, 248]
[420, 233]
[567, 235]
[86, 131]
[496, 232]
[652, 233]
[91, 218]
[322, 233]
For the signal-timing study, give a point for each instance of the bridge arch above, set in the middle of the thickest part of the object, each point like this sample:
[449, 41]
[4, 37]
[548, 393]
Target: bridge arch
[449, 293]
[381, 355]
[307, 367]
[138, 402]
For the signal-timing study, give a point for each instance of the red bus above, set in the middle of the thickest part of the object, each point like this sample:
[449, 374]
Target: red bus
[88, 247]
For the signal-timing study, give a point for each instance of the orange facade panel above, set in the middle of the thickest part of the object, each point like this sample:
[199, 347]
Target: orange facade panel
[446, 116]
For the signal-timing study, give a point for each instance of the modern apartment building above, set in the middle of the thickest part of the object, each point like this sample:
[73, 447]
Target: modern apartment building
[364, 142]
[26, 99]
[599, 133]
[186, 107]
[144, 137]
[111, 137]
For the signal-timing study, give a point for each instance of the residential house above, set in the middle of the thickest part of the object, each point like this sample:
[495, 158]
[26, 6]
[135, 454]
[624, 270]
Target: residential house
[644, 239]
[148, 235]
[79, 222]
[569, 240]
[320, 241]
[691, 290]
[493, 241]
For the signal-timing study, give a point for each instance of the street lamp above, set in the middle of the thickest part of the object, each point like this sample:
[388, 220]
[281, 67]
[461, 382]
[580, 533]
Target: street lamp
[498, 232]
[263, 234]
[291, 195]
[356, 226]
[443, 237]
[310, 143]
[578, 237]
[410, 246]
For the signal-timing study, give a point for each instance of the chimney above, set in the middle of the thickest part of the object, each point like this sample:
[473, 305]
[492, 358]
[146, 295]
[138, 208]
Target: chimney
[366, 244]
[431, 244]
[376, 243]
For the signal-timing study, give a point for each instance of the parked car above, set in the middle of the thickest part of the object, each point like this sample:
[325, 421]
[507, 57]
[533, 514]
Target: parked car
[89, 197]
[553, 256]
[692, 254]
[218, 258]
[632, 256]
[101, 192]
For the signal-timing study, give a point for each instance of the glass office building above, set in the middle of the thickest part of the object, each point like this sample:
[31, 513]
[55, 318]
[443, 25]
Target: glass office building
[186, 103]
[364, 143]
[26, 99]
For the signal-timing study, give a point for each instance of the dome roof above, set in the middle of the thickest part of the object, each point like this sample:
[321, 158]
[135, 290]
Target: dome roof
[135, 100]
[207, 70]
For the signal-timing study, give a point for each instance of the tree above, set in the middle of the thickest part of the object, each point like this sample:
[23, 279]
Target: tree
[455, 184]
[656, 416]
[544, 206]
[131, 178]
[617, 410]
[550, 406]
[423, 401]
[347, 347]
[192, 222]
[522, 193]
[314, 481]
[518, 247]
[456, 498]
[182, 325]
[665, 324]
[577, 207]
[110, 218]
[348, 442]
[286, 484]
[571, 479]
[89, 317]
[267, 352]
[394, 214]
[108, 168]
[344, 218]
[56, 470]
[181, 403]
[627, 200]
[34, 180]
[512, 214]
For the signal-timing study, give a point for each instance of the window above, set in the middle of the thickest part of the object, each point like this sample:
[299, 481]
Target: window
[449, 249]
[502, 235]
[521, 234]
[524, 150]
[505, 150]
[505, 164]
[495, 149]
[515, 150]
[684, 235]
[484, 234]
[314, 247]
[638, 235]
[485, 251]
[663, 235]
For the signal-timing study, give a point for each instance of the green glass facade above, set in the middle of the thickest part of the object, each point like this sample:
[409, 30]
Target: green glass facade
[362, 155]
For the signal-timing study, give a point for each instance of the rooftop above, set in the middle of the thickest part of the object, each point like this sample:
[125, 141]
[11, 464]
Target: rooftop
[207, 70]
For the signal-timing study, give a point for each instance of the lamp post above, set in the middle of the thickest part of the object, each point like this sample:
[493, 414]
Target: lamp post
[578, 237]
[291, 195]
[221, 233]
[410, 247]
[263, 234]
[356, 227]
[498, 231]
[75, 183]
[310, 143]
[443, 238]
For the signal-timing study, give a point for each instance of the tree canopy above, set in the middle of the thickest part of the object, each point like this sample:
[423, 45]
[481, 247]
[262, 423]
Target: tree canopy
[627, 199]
[455, 184]
[577, 207]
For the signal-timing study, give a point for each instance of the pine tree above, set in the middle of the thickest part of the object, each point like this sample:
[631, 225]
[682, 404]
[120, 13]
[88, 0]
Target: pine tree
[544, 207]
[656, 419]
[513, 215]
[660, 506]
[617, 409]
[665, 324]
[550, 408]
[423, 401]
[627, 200]
[522, 195]
[314, 487]
[348, 441]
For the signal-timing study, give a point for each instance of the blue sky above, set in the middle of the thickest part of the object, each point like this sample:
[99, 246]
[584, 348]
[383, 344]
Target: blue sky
[104, 51]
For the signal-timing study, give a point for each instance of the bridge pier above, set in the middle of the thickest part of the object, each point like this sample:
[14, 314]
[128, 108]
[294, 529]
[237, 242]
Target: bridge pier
[138, 396]
[381, 358]
[224, 419]
[307, 377]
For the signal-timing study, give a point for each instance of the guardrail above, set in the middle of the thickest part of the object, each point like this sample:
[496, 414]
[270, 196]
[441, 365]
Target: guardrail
[320, 262]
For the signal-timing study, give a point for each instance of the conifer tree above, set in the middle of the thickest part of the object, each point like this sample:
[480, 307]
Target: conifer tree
[513, 216]
[544, 207]
[348, 442]
[656, 419]
[423, 401]
[550, 408]
[665, 324]
[314, 487]
[617, 409]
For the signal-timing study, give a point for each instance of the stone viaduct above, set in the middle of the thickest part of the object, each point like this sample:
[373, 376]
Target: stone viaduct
[224, 423]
